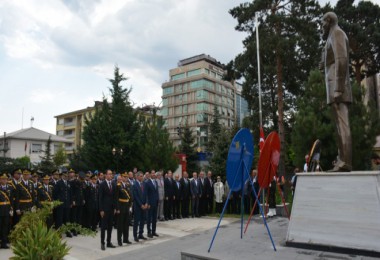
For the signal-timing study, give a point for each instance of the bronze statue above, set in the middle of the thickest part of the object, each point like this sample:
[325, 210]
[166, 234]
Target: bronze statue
[338, 88]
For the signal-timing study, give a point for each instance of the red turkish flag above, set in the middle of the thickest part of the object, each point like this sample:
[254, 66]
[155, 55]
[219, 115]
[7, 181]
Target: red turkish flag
[262, 139]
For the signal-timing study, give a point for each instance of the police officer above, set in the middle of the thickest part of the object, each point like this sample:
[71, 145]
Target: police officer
[6, 209]
[123, 205]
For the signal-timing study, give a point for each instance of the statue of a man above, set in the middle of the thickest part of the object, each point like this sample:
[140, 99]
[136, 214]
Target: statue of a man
[338, 88]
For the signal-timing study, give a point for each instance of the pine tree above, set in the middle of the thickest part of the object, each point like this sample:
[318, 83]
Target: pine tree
[214, 130]
[220, 153]
[288, 50]
[47, 165]
[188, 148]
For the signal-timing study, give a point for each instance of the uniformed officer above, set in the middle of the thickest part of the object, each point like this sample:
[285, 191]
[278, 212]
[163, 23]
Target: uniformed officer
[26, 195]
[123, 205]
[14, 181]
[45, 195]
[92, 203]
[6, 209]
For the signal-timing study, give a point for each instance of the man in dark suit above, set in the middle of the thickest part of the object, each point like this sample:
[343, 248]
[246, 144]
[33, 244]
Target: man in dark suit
[107, 190]
[203, 198]
[152, 201]
[196, 193]
[45, 195]
[209, 188]
[62, 193]
[139, 206]
[169, 196]
[178, 197]
[185, 192]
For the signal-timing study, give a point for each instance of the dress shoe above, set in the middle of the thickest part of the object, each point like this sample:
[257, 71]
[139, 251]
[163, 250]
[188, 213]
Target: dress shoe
[68, 234]
[142, 237]
[110, 245]
[119, 243]
[136, 239]
[127, 242]
[74, 233]
[150, 235]
[155, 234]
[103, 247]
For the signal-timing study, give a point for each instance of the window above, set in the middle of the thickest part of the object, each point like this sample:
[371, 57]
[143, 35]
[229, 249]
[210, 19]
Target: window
[202, 107]
[60, 121]
[164, 101]
[168, 90]
[219, 76]
[202, 118]
[202, 94]
[178, 98]
[178, 88]
[207, 71]
[184, 97]
[60, 133]
[184, 108]
[164, 111]
[194, 72]
[178, 76]
[36, 148]
[178, 110]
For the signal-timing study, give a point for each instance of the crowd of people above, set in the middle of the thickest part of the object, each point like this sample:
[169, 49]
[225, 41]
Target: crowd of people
[107, 200]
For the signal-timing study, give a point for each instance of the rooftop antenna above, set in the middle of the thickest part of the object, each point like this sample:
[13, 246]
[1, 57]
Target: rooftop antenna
[31, 121]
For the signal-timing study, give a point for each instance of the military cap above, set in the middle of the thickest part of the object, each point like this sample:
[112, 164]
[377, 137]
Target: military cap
[93, 176]
[46, 177]
[26, 172]
[55, 171]
[3, 176]
[71, 170]
[16, 171]
[125, 174]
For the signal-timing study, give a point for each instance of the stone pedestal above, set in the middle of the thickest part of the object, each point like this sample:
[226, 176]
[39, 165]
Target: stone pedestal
[337, 212]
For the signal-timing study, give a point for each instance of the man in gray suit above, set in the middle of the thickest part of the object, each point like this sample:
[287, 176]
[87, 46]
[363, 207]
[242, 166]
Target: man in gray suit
[161, 194]
[338, 87]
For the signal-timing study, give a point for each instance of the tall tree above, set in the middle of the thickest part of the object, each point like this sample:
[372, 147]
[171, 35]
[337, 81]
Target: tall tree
[47, 164]
[214, 130]
[220, 152]
[113, 125]
[60, 156]
[361, 23]
[289, 40]
[156, 150]
[188, 148]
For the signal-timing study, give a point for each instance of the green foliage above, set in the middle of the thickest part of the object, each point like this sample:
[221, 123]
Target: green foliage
[188, 147]
[288, 51]
[7, 165]
[40, 243]
[156, 151]
[60, 156]
[314, 121]
[220, 152]
[214, 130]
[362, 25]
[32, 239]
[47, 164]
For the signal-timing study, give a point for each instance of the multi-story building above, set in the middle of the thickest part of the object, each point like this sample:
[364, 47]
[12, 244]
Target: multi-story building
[70, 126]
[189, 97]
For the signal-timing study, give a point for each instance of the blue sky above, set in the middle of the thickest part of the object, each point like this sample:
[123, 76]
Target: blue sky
[56, 56]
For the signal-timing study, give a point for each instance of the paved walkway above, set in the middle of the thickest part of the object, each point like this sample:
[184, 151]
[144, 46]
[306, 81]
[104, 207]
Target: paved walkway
[194, 236]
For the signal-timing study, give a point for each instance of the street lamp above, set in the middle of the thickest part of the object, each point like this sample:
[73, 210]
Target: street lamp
[117, 153]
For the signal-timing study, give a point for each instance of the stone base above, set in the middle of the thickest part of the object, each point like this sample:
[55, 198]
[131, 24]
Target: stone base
[337, 212]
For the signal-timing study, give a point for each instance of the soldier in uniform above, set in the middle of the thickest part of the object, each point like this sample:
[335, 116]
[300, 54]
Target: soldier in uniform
[6, 209]
[123, 205]
[16, 174]
[62, 193]
[26, 195]
[45, 195]
[92, 203]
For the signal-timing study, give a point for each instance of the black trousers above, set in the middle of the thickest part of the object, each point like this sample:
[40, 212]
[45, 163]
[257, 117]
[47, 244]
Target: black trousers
[92, 218]
[195, 206]
[62, 216]
[138, 222]
[177, 208]
[106, 225]
[152, 219]
[210, 204]
[4, 229]
[168, 207]
[123, 225]
[185, 207]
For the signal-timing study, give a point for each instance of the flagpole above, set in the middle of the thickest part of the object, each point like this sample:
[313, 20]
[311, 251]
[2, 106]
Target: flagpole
[258, 68]
[259, 85]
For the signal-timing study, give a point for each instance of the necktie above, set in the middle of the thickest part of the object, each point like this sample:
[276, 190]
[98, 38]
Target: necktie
[142, 187]
[110, 186]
